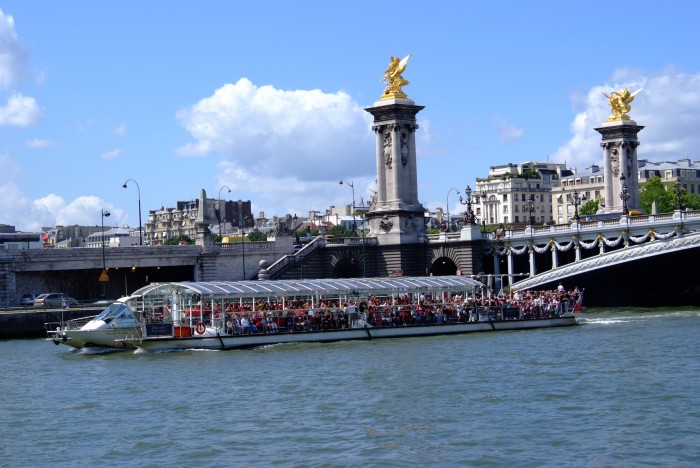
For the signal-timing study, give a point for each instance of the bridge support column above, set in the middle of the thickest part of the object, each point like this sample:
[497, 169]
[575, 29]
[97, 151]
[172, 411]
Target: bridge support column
[578, 251]
[510, 268]
[532, 262]
[555, 257]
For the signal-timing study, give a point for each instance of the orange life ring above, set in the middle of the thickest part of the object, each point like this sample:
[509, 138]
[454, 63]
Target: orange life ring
[200, 328]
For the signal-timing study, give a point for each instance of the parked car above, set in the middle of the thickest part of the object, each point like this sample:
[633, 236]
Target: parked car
[28, 299]
[55, 300]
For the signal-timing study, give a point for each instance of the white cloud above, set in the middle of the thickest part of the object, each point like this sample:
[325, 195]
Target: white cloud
[111, 154]
[304, 135]
[507, 132]
[39, 144]
[12, 54]
[668, 107]
[120, 129]
[21, 111]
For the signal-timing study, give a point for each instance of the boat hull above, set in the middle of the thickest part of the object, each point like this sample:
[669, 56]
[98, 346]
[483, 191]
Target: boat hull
[106, 337]
[227, 342]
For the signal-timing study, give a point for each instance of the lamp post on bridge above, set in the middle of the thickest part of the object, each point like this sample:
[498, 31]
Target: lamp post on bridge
[352, 186]
[138, 189]
[578, 200]
[447, 204]
[224, 215]
[470, 198]
[624, 195]
[530, 208]
[678, 190]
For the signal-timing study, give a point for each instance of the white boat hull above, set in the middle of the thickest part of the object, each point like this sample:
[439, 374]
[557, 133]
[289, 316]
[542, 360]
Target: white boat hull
[211, 340]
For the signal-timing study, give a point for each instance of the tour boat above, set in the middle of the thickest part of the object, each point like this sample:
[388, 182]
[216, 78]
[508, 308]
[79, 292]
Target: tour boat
[227, 315]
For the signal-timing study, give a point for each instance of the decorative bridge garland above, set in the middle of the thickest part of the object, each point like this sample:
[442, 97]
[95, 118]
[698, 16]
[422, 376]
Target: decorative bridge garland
[598, 242]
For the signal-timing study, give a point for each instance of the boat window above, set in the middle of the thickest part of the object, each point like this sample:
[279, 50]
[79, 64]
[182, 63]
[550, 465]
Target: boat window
[112, 312]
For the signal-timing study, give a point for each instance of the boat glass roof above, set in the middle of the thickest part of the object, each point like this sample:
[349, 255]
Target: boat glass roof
[327, 286]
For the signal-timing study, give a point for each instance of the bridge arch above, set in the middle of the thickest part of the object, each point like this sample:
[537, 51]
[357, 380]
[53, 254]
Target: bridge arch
[345, 264]
[443, 266]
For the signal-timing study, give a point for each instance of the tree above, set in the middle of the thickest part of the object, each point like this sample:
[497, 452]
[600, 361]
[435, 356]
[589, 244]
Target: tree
[179, 240]
[257, 236]
[655, 191]
[340, 231]
[589, 208]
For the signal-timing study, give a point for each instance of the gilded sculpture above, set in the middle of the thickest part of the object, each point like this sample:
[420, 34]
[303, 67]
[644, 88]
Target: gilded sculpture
[619, 102]
[393, 79]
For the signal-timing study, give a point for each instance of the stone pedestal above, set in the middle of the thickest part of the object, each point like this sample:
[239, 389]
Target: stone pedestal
[396, 216]
[620, 157]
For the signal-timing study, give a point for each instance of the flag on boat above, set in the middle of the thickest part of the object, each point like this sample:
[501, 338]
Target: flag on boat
[578, 307]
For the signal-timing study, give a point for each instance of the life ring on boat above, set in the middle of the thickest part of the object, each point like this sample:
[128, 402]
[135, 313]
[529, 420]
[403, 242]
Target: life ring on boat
[200, 328]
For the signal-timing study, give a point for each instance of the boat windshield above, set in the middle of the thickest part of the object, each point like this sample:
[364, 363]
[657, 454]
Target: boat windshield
[115, 310]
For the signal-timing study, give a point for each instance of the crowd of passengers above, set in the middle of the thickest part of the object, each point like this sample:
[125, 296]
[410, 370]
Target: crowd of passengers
[300, 316]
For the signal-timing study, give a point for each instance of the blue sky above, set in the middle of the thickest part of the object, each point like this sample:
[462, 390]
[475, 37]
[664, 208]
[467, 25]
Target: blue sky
[268, 98]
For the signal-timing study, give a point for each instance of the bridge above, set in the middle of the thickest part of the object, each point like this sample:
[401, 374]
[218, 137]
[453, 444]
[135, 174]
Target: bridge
[643, 260]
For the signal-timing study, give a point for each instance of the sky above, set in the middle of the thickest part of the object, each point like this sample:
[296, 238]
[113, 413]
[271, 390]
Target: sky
[268, 99]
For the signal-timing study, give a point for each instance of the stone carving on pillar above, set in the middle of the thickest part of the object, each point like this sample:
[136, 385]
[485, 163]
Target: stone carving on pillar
[404, 148]
[615, 161]
[387, 149]
[386, 224]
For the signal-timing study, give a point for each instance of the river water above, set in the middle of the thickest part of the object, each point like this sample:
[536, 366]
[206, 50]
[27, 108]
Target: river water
[622, 389]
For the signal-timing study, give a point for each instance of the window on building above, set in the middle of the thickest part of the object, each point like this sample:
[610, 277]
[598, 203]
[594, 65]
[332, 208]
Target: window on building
[505, 208]
[505, 197]
[669, 174]
[522, 195]
[505, 219]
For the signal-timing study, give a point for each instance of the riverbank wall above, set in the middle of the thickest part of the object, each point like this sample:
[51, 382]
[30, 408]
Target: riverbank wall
[32, 323]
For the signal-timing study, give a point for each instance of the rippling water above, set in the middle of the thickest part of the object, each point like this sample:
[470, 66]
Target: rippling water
[623, 389]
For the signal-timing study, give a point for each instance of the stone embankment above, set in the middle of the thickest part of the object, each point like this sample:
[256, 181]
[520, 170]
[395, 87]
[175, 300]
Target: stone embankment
[31, 323]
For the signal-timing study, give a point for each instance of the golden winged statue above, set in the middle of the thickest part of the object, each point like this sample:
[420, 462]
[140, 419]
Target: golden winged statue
[393, 79]
[619, 102]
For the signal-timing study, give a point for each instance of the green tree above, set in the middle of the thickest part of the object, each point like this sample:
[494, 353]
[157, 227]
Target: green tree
[257, 236]
[179, 240]
[655, 191]
[340, 231]
[589, 208]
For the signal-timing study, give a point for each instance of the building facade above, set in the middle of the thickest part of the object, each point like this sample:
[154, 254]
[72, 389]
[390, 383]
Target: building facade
[503, 197]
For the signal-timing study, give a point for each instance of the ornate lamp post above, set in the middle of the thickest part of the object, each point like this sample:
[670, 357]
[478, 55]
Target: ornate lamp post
[469, 217]
[530, 208]
[624, 195]
[447, 204]
[103, 276]
[352, 186]
[577, 201]
[224, 215]
[139, 193]
[678, 190]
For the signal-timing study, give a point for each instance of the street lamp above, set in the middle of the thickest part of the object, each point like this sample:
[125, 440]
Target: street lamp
[139, 193]
[678, 190]
[224, 216]
[447, 203]
[469, 217]
[578, 200]
[530, 208]
[352, 186]
[103, 276]
[624, 195]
